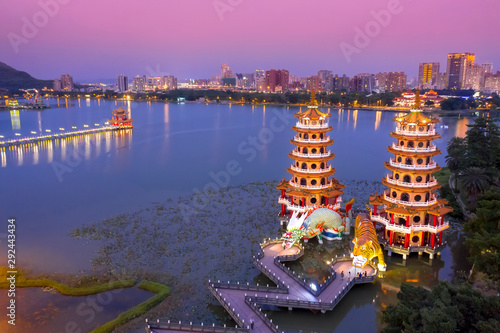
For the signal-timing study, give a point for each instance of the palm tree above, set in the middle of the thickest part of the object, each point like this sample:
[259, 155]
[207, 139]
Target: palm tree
[475, 181]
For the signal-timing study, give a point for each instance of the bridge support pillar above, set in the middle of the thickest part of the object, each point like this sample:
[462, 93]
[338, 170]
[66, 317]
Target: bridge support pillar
[389, 252]
[323, 311]
[431, 256]
[404, 256]
[420, 253]
[289, 308]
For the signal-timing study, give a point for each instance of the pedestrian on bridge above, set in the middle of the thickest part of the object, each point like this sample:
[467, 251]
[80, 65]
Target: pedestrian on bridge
[342, 275]
[251, 323]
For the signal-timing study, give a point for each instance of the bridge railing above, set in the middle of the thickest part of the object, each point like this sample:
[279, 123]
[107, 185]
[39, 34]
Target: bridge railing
[248, 287]
[269, 322]
[152, 326]
[227, 306]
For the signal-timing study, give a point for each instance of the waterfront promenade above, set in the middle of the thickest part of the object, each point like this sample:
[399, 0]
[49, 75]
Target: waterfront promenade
[242, 301]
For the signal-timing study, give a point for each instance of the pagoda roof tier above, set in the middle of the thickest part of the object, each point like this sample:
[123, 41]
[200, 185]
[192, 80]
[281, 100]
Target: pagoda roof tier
[283, 184]
[415, 117]
[392, 150]
[376, 199]
[121, 120]
[313, 113]
[312, 144]
[312, 130]
[319, 158]
[120, 110]
[329, 192]
[415, 171]
[415, 137]
[440, 211]
[410, 189]
[307, 174]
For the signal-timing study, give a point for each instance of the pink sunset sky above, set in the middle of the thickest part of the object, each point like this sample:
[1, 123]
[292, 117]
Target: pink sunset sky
[98, 39]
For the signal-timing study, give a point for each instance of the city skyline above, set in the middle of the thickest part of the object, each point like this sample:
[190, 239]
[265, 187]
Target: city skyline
[74, 38]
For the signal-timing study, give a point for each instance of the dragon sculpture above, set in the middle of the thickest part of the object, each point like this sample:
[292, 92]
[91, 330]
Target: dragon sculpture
[366, 245]
[321, 222]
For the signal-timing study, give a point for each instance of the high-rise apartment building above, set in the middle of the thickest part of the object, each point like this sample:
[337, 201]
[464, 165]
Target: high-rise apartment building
[474, 78]
[392, 81]
[314, 82]
[456, 69]
[326, 78]
[122, 83]
[276, 80]
[364, 82]
[341, 83]
[226, 72]
[428, 74]
[139, 83]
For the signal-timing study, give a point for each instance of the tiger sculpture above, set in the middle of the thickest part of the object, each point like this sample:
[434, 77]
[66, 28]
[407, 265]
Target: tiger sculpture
[366, 245]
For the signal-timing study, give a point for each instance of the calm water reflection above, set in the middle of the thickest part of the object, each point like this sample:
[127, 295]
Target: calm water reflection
[48, 311]
[54, 186]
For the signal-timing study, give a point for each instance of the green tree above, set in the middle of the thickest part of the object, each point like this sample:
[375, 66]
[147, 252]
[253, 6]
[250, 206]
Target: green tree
[484, 245]
[447, 308]
[475, 181]
[456, 158]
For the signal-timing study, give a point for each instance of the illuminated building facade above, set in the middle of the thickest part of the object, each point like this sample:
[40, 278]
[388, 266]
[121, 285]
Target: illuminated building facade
[456, 69]
[312, 183]
[428, 74]
[410, 212]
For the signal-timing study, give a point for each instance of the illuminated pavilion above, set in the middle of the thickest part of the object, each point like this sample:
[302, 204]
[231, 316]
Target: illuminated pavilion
[312, 183]
[410, 212]
[120, 118]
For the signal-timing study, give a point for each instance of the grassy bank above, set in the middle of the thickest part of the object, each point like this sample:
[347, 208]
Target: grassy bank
[161, 291]
[23, 282]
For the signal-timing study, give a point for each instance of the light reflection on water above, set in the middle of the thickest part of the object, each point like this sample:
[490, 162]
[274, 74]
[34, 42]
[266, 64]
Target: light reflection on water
[172, 150]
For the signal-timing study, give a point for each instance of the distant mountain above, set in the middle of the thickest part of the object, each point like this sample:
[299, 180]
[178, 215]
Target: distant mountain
[13, 80]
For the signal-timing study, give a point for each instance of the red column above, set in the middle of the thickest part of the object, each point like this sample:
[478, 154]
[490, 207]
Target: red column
[326, 201]
[291, 200]
[282, 193]
[442, 220]
[422, 240]
[433, 241]
[374, 209]
[303, 202]
[435, 220]
[392, 218]
[335, 201]
[408, 221]
[407, 240]
[440, 238]
[391, 237]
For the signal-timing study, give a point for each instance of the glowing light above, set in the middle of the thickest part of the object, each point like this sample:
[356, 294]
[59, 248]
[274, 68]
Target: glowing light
[47, 130]
[313, 287]
[17, 134]
[33, 132]
[61, 128]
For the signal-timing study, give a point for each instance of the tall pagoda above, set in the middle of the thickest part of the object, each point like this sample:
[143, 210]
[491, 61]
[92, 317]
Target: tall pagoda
[120, 118]
[312, 184]
[410, 212]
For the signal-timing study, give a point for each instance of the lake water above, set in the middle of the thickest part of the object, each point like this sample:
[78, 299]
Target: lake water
[175, 150]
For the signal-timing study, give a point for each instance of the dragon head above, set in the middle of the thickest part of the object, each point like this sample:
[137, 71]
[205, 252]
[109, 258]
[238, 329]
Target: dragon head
[295, 229]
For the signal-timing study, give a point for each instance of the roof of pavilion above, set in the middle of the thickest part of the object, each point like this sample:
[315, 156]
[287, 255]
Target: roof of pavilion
[120, 110]
[283, 184]
[415, 117]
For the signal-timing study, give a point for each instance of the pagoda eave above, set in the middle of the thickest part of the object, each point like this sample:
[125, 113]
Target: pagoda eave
[413, 154]
[413, 171]
[307, 174]
[298, 192]
[311, 159]
[312, 130]
[311, 144]
[410, 189]
[415, 137]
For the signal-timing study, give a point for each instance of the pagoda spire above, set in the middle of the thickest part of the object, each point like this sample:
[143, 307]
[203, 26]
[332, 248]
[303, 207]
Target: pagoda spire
[416, 106]
[313, 100]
